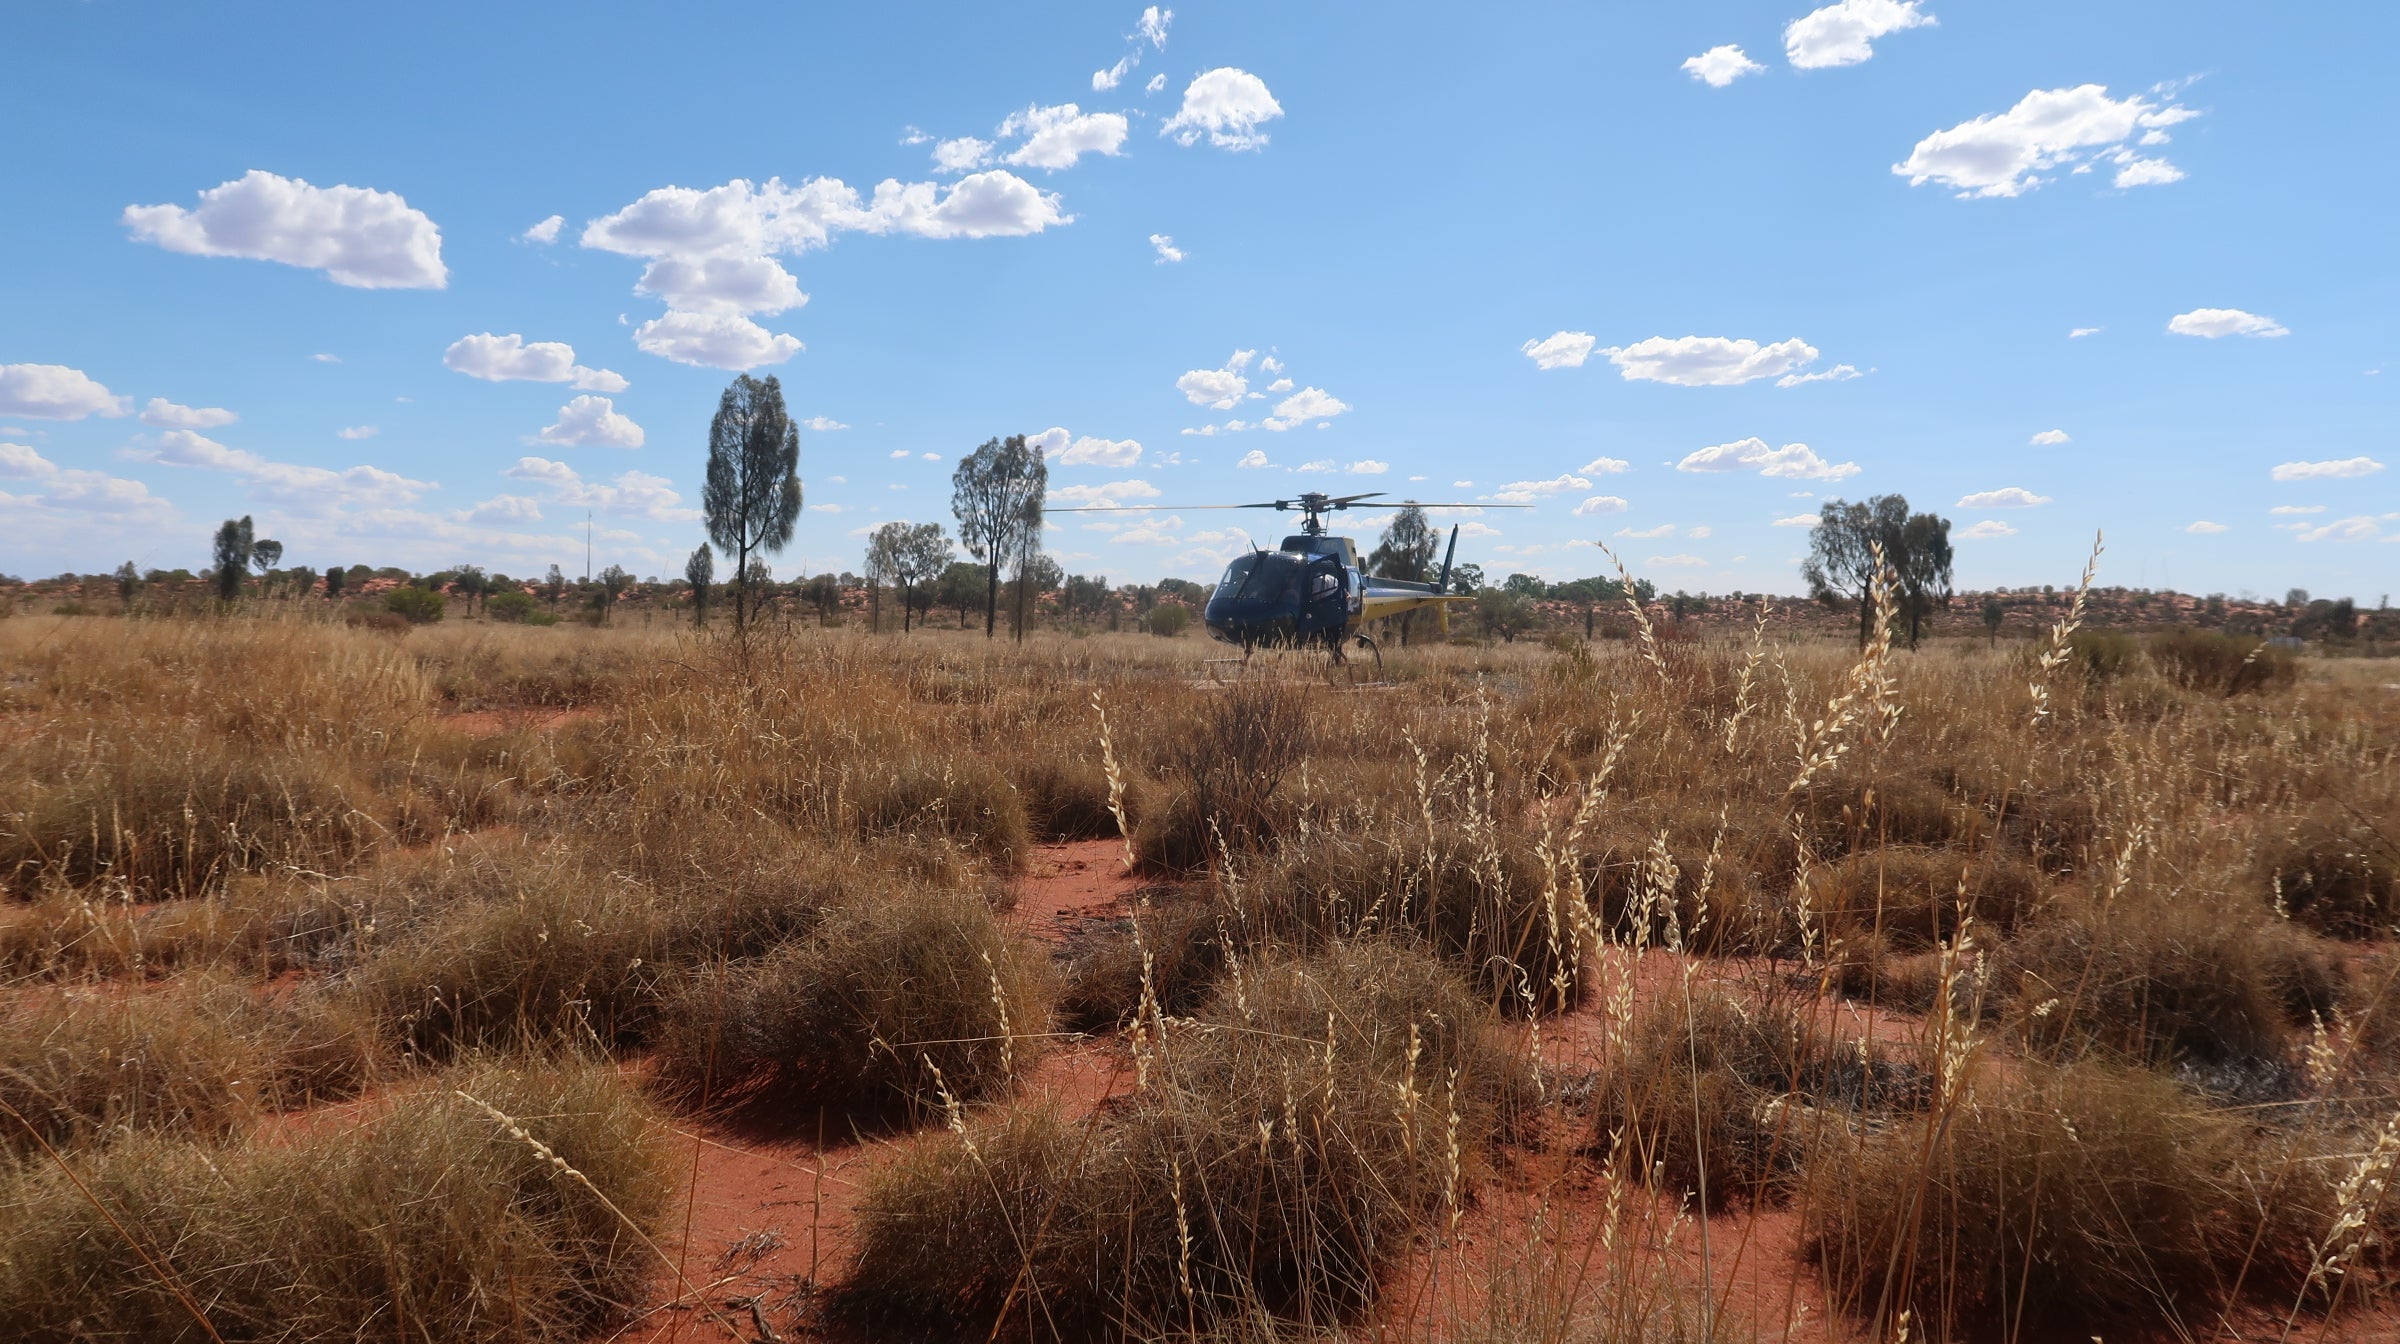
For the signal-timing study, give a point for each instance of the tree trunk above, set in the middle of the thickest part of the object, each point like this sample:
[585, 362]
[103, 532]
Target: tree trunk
[904, 613]
[991, 599]
[1866, 615]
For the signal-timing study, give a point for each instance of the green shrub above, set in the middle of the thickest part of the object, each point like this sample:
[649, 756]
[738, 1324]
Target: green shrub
[2215, 663]
[512, 607]
[417, 606]
[1167, 619]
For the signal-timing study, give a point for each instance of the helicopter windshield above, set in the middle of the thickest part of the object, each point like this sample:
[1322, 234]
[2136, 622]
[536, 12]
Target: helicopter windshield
[1238, 571]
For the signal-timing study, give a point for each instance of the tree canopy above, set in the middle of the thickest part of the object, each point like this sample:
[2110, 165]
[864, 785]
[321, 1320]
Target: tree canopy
[907, 556]
[751, 497]
[996, 494]
[1841, 558]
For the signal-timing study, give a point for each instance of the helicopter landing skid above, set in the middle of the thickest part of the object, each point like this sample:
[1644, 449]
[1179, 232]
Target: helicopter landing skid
[1342, 670]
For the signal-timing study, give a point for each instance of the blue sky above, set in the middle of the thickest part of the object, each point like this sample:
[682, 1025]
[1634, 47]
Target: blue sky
[1669, 273]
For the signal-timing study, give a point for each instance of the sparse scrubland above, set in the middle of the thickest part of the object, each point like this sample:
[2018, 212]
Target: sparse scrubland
[367, 983]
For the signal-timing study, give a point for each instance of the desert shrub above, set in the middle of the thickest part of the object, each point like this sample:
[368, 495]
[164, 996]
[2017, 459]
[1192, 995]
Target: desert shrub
[1063, 799]
[1486, 908]
[1646, 869]
[382, 620]
[1854, 810]
[1914, 895]
[1715, 1096]
[2214, 663]
[1186, 934]
[1300, 1170]
[2167, 977]
[431, 1213]
[417, 606]
[961, 800]
[2335, 872]
[1167, 619]
[186, 1059]
[2103, 656]
[1221, 776]
[172, 814]
[860, 1013]
[541, 948]
[2059, 1201]
[513, 608]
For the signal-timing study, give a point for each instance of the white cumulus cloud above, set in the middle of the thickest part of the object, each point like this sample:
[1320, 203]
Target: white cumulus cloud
[2007, 497]
[2342, 469]
[546, 231]
[1839, 373]
[1560, 350]
[357, 236]
[635, 494]
[2359, 528]
[498, 359]
[1720, 66]
[2205, 528]
[1220, 389]
[1152, 26]
[2006, 153]
[1164, 245]
[822, 424]
[1226, 105]
[1793, 461]
[1309, 403]
[303, 489]
[2212, 323]
[1526, 492]
[738, 285]
[168, 415]
[1253, 460]
[356, 432]
[1601, 504]
[1605, 466]
[2049, 438]
[591, 422]
[1055, 137]
[1090, 451]
[1796, 520]
[1107, 494]
[1988, 530]
[56, 392]
[1369, 467]
[1845, 33]
[1708, 361]
[715, 341]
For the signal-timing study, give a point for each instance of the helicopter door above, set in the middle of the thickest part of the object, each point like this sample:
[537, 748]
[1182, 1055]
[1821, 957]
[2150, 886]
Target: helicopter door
[1327, 607]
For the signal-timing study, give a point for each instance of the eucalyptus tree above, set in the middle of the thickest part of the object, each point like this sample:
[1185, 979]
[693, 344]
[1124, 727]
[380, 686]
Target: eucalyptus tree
[699, 571]
[751, 498]
[996, 494]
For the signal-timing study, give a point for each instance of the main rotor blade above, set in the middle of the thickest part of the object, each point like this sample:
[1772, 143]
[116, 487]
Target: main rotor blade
[1352, 499]
[1152, 508]
[1420, 504]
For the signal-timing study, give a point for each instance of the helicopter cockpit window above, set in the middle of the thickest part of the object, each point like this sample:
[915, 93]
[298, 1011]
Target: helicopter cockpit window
[1239, 570]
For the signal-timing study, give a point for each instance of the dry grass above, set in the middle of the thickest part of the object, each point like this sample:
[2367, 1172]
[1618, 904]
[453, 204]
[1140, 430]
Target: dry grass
[1285, 1150]
[428, 1221]
[889, 1001]
[1721, 1098]
[76, 1066]
[2125, 903]
[2092, 1198]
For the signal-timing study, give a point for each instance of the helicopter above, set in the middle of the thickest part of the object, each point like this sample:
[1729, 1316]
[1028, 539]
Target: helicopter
[1312, 590]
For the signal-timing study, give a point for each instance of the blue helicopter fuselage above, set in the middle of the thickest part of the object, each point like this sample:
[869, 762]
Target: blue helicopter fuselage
[1304, 592]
